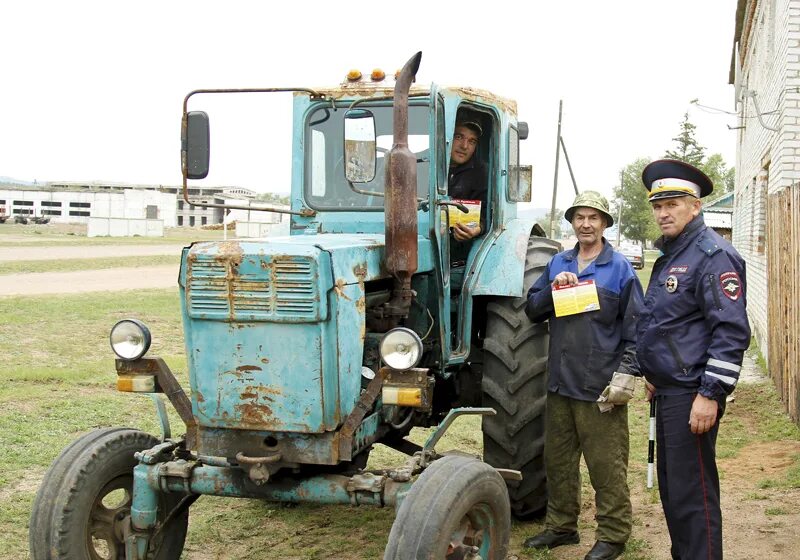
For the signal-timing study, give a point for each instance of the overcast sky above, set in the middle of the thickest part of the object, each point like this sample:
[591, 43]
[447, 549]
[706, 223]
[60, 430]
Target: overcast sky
[93, 90]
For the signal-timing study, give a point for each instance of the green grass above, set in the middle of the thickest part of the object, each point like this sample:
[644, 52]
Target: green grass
[57, 382]
[71, 265]
[18, 235]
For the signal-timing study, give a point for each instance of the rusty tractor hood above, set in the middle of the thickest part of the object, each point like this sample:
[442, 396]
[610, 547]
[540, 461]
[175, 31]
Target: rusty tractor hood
[274, 328]
[281, 278]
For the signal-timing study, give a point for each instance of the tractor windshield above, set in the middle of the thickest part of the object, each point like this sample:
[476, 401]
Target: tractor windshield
[326, 187]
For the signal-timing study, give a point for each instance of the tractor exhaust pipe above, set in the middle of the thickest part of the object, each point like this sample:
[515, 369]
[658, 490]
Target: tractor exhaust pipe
[401, 201]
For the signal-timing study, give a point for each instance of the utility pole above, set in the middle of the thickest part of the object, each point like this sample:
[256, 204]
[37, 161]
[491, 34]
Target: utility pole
[555, 178]
[619, 210]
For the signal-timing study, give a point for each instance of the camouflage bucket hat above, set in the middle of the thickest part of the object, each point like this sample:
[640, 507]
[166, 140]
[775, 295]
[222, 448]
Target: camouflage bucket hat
[590, 199]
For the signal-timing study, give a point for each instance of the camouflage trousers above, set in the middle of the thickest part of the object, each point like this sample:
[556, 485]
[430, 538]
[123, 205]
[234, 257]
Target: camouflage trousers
[574, 428]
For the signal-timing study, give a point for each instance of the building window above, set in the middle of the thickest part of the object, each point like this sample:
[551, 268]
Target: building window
[2, 201]
[80, 205]
[191, 221]
[51, 212]
[180, 220]
[78, 213]
[203, 220]
[23, 211]
[180, 205]
[51, 203]
[23, 203]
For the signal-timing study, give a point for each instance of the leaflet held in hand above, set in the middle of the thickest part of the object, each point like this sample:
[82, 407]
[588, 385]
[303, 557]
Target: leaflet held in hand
[471, 218]
[580, 298]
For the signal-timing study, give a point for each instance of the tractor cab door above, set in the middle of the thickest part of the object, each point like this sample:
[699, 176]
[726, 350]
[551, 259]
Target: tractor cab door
[455, 258]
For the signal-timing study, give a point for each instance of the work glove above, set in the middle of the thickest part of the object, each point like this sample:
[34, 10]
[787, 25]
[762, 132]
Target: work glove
[618, 392]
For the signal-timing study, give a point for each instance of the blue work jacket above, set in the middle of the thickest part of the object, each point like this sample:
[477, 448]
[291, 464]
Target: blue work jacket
[693, 330]
[587, 348]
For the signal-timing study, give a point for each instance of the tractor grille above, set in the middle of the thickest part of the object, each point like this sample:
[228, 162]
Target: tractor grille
[281, 289]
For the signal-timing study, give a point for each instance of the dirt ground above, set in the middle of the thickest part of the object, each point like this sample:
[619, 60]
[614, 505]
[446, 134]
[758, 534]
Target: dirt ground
[112, 279]
[85, 252]
[757, 522]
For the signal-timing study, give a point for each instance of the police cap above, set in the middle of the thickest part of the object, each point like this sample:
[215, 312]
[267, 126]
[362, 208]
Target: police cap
[590, 199]
[670, 178]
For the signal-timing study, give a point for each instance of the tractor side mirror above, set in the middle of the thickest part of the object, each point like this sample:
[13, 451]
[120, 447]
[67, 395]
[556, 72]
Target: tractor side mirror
[196, 145]
[360, 147]
[519, 183]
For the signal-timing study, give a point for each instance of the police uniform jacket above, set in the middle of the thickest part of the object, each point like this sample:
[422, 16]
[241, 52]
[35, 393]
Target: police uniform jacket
[693, 330]
[587, 348]
[469, 181]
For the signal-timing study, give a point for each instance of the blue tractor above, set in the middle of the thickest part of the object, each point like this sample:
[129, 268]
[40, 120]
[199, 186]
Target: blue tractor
[304, 351]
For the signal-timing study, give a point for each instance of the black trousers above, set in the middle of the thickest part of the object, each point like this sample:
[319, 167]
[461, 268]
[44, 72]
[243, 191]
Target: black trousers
[688, 481]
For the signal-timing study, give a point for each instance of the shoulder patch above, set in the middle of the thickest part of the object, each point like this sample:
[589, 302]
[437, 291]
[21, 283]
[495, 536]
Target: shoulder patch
[731, 285]
[708, 245]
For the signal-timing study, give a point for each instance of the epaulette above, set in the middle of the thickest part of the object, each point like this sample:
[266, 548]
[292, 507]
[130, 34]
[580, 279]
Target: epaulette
[708, 245]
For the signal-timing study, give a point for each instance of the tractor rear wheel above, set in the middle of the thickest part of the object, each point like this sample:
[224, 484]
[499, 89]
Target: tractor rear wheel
[458, 505]
[86, 495]
[515, 385]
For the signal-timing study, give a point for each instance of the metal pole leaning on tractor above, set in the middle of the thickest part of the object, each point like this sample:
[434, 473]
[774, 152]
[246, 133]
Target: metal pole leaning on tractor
[651, 444]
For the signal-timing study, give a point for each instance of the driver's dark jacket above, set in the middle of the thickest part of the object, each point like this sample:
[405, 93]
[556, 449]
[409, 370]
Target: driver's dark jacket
[469, 181]
[693, 330]
[587, 348]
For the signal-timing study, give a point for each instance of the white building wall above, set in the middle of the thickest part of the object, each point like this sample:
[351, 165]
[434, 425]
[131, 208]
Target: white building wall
[767, 161]
[79, 206]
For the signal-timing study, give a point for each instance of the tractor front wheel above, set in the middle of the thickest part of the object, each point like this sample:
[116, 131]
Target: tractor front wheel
[86, 496]
[457, 507]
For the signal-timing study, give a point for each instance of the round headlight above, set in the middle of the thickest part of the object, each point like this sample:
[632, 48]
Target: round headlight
[401, 348]
[130, 339]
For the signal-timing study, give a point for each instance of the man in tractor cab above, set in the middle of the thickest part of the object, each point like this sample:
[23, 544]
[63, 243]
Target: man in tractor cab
[592, 298]
[467, 179]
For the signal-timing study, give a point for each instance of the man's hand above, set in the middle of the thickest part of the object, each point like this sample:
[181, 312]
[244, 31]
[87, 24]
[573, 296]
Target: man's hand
[649, 390]
[703, 414]
[565, 279]
[463, 232]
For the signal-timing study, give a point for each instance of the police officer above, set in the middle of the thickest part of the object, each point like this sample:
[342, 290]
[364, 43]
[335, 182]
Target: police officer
[592, 358]
[692, 335]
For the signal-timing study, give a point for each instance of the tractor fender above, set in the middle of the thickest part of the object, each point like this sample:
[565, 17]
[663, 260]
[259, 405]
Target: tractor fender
[499, 265]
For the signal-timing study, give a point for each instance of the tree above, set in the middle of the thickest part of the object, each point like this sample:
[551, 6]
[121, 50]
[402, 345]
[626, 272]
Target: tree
[687, 148]
[719, 173]
[637, 221]
[690, 151]
[545, 222]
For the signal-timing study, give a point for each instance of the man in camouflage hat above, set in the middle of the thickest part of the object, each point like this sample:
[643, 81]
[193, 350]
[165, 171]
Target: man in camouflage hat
[592, 365]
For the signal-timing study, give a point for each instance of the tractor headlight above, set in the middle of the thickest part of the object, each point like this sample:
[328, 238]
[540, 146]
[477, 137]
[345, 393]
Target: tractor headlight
[401, 348]
[130, 339]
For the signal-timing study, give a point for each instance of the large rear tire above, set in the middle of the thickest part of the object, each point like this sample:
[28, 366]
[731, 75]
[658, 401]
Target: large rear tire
[86, 495]
[456, 504]
[515, 385]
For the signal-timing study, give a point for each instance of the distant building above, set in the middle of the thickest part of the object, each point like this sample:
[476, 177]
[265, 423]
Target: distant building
[77, 206]
[718, 215]
[76, 202]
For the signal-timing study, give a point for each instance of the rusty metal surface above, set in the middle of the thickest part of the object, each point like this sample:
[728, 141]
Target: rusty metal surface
[363, 406]
[401, 185]
[169, 386]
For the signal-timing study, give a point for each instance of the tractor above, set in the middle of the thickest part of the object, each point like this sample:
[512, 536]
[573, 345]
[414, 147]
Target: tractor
[304, 351]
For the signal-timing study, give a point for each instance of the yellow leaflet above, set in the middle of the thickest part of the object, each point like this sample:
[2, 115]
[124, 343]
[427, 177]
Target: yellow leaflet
[570, 300]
